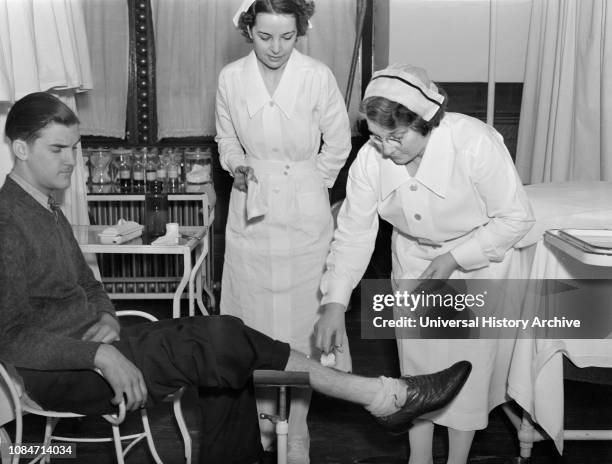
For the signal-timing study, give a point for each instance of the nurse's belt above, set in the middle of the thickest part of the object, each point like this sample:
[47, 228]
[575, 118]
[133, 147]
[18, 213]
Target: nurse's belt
[256, 204]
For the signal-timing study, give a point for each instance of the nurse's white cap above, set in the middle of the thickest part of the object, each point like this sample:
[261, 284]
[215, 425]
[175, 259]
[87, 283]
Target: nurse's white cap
[409, 86]
[244, 7]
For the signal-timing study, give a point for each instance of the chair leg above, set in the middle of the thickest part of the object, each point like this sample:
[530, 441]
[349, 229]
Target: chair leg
[118, 445]
[180, 420]
[50, 424]
[4, 440]
[149, 436]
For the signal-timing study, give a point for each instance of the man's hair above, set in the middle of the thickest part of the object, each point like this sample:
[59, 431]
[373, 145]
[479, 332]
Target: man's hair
[391, 115]
[302, 10]
[28, 116]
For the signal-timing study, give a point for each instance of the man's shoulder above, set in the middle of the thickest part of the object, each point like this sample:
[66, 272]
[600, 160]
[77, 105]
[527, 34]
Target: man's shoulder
[16, 205]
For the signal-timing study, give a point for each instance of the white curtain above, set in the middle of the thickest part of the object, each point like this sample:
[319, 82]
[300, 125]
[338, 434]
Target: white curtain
[194, 39]
[566, 114]
[43, 47]
[102, 110]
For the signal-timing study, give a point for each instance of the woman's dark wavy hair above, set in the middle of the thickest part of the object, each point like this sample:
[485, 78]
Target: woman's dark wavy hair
[29, 115]
[391, 115]
[302, 10]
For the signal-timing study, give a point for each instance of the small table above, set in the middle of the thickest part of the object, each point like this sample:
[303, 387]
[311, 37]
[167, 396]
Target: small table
[535, 378]
[193, 239]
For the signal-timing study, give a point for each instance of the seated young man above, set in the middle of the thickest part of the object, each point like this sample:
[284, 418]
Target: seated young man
[57, 324]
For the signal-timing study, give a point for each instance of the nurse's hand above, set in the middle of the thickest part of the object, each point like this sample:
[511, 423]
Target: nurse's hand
[242, 175]
[440, 267]
[330, 332]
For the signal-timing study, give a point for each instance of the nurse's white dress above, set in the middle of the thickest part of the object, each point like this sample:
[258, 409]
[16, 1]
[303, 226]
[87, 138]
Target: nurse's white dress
[465, 198]
[273, 263]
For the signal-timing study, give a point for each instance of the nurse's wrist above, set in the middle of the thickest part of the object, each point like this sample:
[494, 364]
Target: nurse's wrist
[334, 307]
[469, 255]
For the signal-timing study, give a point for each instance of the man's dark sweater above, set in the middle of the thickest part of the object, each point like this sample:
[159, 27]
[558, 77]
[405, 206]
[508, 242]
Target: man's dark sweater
[48, 294]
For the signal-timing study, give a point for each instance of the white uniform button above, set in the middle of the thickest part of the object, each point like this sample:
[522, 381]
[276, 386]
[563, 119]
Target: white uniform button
[413, 187]
[271, 103]
[276, 189]
[287, 166]
[417, 216]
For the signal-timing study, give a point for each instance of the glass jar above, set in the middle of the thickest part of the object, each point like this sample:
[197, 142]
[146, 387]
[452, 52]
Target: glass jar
[198, 165]
[99, 161]
[122, 159]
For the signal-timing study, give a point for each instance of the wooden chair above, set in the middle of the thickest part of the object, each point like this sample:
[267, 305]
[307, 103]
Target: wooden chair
[21, 405]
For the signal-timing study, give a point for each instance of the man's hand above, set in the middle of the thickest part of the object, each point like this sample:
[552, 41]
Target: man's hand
[330, 331]
[242, 175]
[106, 330]
[440, 267]
[124, 377]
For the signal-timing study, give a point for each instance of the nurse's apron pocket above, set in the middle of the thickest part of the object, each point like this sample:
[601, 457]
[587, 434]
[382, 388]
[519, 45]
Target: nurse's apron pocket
[313, 205]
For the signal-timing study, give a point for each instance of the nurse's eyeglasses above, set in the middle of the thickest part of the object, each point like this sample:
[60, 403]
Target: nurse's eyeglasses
[391, 140]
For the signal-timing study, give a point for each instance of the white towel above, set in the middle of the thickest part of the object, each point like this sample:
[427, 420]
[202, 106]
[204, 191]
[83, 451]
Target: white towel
[256, 204]
[122, 227]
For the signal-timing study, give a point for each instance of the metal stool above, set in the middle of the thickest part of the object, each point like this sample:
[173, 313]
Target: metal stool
[281, 380]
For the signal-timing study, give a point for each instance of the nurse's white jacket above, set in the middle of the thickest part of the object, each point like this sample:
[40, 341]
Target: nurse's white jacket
[465, 197]
[286, 126]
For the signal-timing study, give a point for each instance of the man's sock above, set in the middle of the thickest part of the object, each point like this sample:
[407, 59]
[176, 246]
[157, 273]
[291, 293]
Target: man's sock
[390, 397]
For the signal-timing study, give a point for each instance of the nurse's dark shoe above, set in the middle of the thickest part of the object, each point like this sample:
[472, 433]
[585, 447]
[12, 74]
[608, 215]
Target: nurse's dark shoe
[426, 393]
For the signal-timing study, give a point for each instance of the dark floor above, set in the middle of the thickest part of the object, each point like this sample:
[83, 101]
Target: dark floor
[343, 433]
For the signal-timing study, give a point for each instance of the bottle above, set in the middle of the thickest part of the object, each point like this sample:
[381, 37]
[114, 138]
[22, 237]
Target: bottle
[174, 172]
[156, 210]
[87, 165]
[162, 165]
[138, 174]
[151, 164]
[123, 157]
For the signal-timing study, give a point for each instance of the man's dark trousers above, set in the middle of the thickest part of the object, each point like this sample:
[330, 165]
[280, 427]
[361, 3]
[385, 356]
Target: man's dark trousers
[218, 354]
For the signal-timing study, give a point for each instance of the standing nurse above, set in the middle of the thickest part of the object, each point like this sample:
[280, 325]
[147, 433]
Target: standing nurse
[448, 186]
[283, 134]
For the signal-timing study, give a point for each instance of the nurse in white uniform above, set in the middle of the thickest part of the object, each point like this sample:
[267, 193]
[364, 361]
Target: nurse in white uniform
[447, 184]
[283, 134]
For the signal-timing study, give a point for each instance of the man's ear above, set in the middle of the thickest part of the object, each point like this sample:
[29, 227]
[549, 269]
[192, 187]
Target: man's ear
[20, 148]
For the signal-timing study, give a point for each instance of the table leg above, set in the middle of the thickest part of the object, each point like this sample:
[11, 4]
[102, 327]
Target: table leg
[197, 272]
[176, 301]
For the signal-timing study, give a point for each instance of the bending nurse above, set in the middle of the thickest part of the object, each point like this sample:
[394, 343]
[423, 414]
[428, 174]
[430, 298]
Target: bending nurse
[447, 184]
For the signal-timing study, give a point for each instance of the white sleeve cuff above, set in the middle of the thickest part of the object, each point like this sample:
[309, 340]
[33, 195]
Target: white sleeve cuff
[469, 255]
[340, 293]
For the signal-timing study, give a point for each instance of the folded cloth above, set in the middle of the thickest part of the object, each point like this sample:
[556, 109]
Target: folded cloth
[256, 204]
[122, 227]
